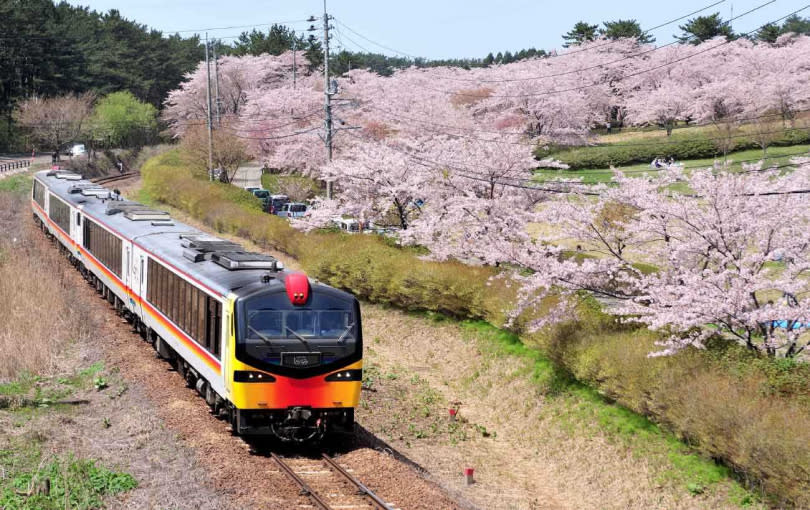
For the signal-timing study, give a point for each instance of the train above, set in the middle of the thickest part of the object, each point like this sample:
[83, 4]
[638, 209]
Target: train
[272, 351]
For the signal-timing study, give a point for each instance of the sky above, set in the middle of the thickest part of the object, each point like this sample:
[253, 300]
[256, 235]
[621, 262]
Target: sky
[433, 28]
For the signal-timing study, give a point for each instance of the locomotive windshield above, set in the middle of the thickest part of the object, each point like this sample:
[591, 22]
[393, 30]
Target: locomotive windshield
[276, 336]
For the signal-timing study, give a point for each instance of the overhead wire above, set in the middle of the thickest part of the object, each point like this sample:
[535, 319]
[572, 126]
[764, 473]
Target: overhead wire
[625, 76]
[531, 184]
[589, 48]
[523, 133]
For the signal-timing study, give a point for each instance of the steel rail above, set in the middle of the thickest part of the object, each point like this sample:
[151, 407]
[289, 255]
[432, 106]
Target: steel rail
[378, 502]
[104, 180]
[306, 490]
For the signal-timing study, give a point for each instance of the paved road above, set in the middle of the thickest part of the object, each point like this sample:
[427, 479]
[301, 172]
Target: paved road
[248, 175]
[7, 158]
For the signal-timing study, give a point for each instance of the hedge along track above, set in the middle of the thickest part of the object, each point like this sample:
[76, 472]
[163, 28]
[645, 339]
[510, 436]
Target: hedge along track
[332, 484]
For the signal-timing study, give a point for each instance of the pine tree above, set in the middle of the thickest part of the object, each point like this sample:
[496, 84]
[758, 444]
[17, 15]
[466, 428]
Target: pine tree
[625, 28]
[796, 24]
[768, 33]
[703, 28]
[580, 33]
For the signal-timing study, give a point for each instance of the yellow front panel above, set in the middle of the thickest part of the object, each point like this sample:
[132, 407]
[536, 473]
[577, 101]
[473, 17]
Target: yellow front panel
[286, 392]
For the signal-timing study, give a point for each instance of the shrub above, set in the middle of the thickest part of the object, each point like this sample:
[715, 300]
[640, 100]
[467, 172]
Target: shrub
[694, 147]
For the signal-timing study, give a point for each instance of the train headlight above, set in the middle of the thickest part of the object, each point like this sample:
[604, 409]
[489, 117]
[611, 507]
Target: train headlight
[251, 376]
[345, 375]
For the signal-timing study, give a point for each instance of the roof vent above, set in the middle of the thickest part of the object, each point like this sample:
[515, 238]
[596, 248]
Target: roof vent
[78, 188]
[96, 191]
[207, 244]
[234, 260]
[194, 255]
[166, 223]
[136, 212]
[68, 176]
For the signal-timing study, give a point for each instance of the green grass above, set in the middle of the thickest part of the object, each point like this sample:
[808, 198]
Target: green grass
[780, 155]
[582, 408]
[32, 392]
[17, 183]
[33, 476]
[33, 480]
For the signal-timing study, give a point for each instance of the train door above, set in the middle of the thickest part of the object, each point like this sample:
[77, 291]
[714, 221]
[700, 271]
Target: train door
[140, 287]
[127, 274]
[77, 231]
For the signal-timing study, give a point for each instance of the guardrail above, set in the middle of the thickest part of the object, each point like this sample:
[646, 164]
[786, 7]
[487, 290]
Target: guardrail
[8, 166]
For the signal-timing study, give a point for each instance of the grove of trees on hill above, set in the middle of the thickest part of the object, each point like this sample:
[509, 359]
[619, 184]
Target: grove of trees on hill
[49, 50]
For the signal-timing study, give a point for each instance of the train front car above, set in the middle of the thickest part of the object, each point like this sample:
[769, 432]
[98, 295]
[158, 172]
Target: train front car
[297, 365]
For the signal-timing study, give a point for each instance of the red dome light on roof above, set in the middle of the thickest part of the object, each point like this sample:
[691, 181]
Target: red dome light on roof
[297, 285]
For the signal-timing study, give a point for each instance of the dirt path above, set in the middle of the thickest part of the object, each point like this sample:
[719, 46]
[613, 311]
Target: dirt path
[250, 175]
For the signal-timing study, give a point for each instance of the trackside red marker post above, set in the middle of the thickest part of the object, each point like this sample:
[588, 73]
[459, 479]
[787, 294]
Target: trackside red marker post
[453, 413]
[468, 475]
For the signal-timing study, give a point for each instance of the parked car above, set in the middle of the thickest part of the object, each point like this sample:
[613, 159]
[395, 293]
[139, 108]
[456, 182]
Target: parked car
[261, 193]
[250, 189]
[77, 150]
[292, 210]
[274, 203]
[348, 225]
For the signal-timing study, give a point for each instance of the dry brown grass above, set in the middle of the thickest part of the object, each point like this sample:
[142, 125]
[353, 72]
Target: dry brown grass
[37, 318]
[467, 97]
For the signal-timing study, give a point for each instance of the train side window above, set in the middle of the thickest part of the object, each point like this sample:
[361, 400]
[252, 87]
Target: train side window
[200, 317]
[218, 329]
[189, 298]
[212, 323]
[164, 291]
[78, 219]
[150, 280]
[159, 287]
[173, 295]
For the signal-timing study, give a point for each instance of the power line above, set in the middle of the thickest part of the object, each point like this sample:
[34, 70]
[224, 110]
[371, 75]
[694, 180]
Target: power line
[624, 77]
[287, 22]
[522, 133]
[279, 137]
[375, 43]
[568, 53]
[590, 48]
[527, 184]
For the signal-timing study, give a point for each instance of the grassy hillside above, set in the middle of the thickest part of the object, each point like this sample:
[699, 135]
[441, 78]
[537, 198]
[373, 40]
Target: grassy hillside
[751, 413]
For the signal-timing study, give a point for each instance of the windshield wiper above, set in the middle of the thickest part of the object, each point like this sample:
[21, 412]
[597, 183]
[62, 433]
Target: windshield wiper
[303, 340]
[346, 332]
[261, 336]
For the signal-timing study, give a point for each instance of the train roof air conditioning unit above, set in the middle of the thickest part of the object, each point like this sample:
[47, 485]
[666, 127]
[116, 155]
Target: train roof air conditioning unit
[136, 212]
[68, 176]
[235, 260]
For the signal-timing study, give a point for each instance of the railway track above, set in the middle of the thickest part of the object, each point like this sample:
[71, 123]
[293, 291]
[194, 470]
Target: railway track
[328, 485]
[113, 178]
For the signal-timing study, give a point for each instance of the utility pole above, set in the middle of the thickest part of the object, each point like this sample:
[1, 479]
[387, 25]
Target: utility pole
[208, 101]
[327, 92]
[295, 67]
[216, 84]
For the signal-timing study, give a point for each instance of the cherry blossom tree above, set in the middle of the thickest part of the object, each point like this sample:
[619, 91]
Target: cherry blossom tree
[377, 183]
[238, 76]
[729, 259]
[476, 206]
